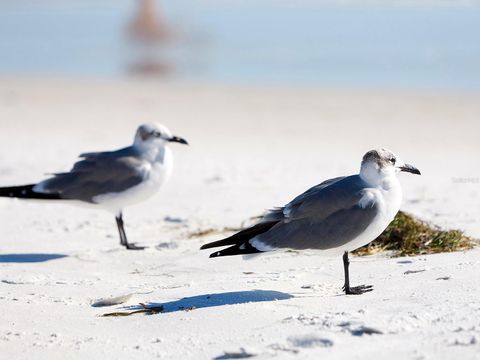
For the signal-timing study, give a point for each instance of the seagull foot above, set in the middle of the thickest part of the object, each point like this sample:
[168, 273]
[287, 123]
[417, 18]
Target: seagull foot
[357, 290]
[134, 247]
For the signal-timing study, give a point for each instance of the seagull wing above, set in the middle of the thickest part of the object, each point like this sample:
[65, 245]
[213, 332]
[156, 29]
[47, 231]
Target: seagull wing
[326, 216]
[279, 213]
[97, 174]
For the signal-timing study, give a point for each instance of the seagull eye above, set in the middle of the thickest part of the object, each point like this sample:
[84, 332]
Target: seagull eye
[156, 134]
[392, 160]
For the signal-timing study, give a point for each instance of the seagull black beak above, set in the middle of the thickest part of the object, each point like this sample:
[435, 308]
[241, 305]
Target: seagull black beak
[410, 169]
[178, 140]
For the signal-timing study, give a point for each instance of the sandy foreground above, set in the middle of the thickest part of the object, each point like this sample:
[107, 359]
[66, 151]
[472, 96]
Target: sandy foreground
[251, 149]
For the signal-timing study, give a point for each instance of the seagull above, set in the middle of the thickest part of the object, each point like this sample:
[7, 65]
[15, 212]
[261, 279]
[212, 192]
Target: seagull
[111, 180]
[337, 216]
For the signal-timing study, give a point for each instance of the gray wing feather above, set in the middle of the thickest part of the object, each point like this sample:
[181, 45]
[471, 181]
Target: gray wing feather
[324, 217]
[97, 174]
[279, 213]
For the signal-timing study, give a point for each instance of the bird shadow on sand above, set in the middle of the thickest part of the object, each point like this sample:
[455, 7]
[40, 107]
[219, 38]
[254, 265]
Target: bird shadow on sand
[215, 300]
[29, 258]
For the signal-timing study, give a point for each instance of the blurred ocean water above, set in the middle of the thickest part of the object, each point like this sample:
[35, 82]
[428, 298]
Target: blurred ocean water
[261, 42]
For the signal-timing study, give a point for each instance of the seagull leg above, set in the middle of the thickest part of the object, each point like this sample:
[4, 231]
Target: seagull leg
[121, 231]
[354, 290]
[123, 235]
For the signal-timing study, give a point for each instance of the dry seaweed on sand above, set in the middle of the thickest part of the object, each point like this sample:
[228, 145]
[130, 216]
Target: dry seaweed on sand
[145, 310]
[214, 231]
[406, 235]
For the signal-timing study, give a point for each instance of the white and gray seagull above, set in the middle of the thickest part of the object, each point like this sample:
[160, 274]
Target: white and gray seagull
[111, 180]
[337, 216]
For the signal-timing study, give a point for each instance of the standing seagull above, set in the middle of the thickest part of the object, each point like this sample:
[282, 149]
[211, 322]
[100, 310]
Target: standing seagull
[113, 179]
[336, 216]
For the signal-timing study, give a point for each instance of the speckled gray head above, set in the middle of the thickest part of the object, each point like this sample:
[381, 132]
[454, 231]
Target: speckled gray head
[381, 157]
[383, 162]
[155, 134]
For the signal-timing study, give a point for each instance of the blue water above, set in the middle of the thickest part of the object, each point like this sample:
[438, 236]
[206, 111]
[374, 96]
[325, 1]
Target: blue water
[262, 42]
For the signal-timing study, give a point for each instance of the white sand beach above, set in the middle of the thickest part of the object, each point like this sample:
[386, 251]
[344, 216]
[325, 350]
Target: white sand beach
[251, 149]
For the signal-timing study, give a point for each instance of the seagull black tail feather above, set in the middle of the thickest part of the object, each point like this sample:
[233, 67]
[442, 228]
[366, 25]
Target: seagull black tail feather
[239, 249]
[241, 245]
[26, 192]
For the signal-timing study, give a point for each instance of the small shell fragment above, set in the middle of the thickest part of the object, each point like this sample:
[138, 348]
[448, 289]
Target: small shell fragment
[112, 301]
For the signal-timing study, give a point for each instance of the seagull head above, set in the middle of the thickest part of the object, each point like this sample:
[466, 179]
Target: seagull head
[154, 135]
[381, 163]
